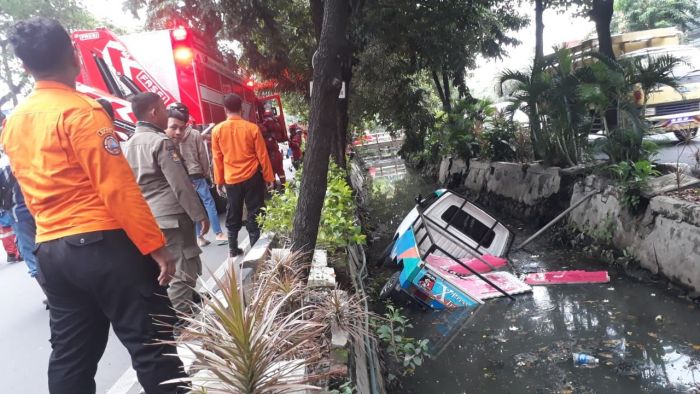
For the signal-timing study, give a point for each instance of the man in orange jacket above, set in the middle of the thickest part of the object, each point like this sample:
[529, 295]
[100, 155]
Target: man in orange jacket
[241, 170]
[102, 258]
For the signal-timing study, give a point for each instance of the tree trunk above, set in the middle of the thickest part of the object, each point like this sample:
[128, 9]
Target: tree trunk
[322, 125]
[341, 141]
[446, 90]
[317, 17]
[440, 93]
[539, 33]
[341, 134]
[601, 13]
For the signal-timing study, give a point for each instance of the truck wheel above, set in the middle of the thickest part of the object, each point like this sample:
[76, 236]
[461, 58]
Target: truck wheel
[685, 134]
[390, 286]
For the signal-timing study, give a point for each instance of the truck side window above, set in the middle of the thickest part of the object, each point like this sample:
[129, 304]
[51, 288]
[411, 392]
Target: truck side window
[469, 226]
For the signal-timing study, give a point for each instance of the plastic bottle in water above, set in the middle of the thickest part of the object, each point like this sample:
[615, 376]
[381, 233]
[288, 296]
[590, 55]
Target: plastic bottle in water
[584, 360]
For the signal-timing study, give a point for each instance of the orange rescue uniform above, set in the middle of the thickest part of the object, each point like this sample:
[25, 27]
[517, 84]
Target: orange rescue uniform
[69, 164]
[238, 150]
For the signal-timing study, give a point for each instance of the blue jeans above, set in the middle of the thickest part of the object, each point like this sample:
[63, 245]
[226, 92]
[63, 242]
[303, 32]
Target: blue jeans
[25, 230]
[203, 190]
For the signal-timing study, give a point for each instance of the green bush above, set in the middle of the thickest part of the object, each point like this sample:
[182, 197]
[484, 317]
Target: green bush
[338, 227]
[632, 178]
[499, 139]
[404, 350]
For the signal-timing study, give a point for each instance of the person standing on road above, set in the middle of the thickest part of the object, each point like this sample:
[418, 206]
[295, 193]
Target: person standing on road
[241, 170]
[24, 225]
[102, 257]
[160, 173]
[196, 160]
[272, 133]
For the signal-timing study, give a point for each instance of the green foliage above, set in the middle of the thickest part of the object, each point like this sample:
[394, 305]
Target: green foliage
[345, 388]
[402, 75]
[633, 178]
[276, 38]
[561, 101]
[456, 133]
[499, 141]
[338, 227]
[635, 15]
[391, 331]
[296, 104]
[559, 121]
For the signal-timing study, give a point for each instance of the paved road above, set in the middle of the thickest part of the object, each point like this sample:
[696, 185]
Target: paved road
[24, 332]
[670, 150]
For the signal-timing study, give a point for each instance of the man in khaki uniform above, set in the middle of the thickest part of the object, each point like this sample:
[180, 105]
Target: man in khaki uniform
[164, 182]
[194, 154]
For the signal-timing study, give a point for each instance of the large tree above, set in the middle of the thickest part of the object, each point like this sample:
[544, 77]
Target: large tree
[413, 55]
[635, 15]
[323, 123]
[71, 13]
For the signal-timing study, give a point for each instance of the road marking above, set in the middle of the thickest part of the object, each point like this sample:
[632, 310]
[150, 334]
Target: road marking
[128, 379]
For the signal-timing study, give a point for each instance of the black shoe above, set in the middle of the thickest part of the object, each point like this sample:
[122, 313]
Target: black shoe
[235, 251]
[11, 258]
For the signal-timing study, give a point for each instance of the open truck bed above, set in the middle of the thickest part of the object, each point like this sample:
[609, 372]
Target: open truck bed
[445, 246]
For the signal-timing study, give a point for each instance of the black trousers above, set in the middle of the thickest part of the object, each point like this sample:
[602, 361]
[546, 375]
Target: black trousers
[252, 192]
[92, 280]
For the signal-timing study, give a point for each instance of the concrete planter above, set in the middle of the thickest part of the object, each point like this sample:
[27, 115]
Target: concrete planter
[665, 238]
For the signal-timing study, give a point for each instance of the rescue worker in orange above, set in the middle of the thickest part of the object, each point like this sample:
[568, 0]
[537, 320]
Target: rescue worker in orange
[295, 141]
[101, 255]
[273, 133]
[241, 170]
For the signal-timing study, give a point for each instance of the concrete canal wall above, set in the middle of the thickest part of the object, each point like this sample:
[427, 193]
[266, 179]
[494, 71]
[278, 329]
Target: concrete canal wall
[525, 191]
[665, 238]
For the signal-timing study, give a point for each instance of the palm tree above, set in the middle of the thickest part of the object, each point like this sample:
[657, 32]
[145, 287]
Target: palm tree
[648, 72]
[528, 89]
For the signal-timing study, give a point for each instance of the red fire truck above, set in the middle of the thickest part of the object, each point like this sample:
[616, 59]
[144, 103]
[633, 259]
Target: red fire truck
[174, 63]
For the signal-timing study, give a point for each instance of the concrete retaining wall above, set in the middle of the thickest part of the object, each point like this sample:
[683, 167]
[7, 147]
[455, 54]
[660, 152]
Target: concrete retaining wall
[525, 191]
[665, 238]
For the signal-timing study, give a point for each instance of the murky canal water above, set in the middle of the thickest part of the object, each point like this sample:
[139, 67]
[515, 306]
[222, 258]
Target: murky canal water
[646, 336]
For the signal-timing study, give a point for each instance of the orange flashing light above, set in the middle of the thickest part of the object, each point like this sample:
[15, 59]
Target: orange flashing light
[180, 34]
[183, 55]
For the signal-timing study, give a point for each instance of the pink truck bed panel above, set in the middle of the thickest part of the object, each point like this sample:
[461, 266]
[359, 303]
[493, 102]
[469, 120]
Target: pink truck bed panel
[567, 277]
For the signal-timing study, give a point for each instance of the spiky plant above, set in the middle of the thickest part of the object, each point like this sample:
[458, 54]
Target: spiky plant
[252, 349]
[281, 276]
[339, 311]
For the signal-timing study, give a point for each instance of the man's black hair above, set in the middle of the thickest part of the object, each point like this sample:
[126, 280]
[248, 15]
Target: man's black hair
[179, 111]
[233, 103]
[41, 43]
[107, 107]
[142, 103]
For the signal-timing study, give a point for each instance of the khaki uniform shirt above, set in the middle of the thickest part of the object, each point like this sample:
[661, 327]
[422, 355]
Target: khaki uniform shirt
[160, 173]
[194, 153]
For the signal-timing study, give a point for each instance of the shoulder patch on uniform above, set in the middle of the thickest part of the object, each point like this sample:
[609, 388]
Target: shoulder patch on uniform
[111, 145]
[172, 151]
